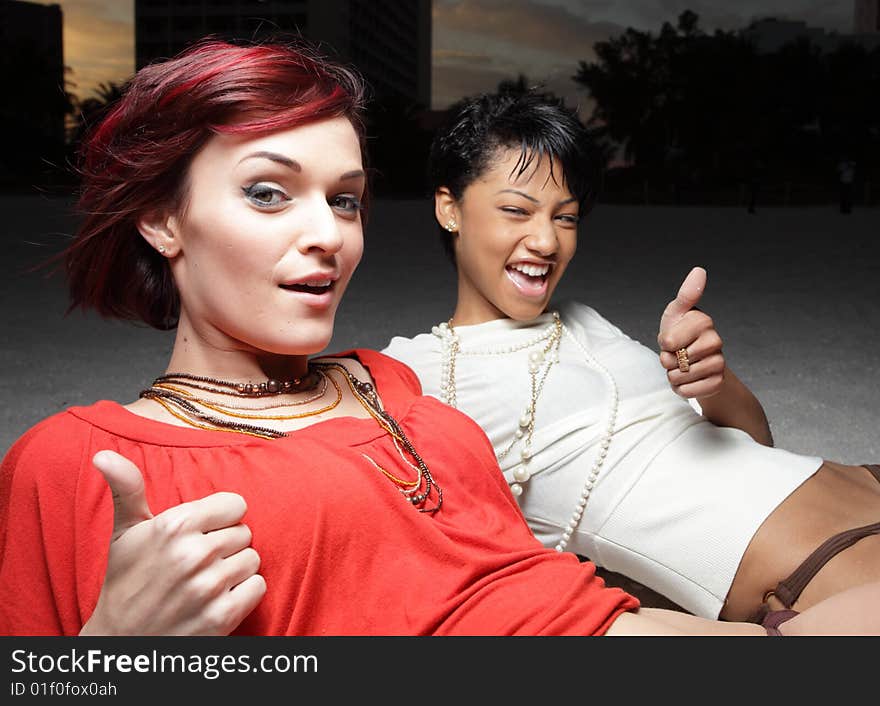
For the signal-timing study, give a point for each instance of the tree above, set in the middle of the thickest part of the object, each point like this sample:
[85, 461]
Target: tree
[88, 112]
[710, 110]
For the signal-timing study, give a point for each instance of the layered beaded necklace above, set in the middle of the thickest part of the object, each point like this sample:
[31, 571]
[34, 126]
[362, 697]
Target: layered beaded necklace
[412, 490]
[540, 361]
[176, 392]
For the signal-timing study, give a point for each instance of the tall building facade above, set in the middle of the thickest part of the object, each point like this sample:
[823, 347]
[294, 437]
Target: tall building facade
[388, 40]
[34, 98]
[866, 18]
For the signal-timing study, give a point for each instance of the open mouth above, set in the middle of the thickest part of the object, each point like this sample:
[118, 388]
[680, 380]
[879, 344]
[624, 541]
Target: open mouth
[310, 287]
[529, 278]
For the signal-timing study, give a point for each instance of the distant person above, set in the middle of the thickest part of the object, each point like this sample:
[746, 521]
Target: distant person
[593, 430]
[846, 175]
[274, 492]
[756, 178]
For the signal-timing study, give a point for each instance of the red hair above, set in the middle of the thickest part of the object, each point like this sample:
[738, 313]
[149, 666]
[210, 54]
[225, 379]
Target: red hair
[137, 158]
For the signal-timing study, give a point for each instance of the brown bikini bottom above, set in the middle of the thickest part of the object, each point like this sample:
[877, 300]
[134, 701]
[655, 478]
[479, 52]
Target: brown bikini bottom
[789, 589]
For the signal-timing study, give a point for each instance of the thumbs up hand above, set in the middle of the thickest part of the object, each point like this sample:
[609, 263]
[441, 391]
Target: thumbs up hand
[698, 371]
[188, 571]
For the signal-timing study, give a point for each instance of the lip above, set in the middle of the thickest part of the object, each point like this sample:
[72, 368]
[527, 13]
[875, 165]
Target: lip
[312, 277]
[315, 299]
[527, 288]
[533, 263]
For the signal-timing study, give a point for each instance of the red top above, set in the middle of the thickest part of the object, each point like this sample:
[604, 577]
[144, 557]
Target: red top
[342, 551]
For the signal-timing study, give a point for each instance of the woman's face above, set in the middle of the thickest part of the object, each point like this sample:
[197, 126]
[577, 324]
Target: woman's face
[269, 237]
[516, 235]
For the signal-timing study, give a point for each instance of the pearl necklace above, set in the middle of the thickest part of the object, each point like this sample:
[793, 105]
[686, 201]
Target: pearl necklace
[540, 363]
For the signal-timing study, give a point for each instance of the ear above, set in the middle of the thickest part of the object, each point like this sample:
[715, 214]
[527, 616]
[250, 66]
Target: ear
[446, 209]
[160, 230]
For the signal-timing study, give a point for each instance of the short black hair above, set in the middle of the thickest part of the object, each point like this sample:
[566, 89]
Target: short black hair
[537, 122]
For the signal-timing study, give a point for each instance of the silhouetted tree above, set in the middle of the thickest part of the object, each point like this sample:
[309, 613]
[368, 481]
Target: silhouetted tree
[710, 110]
[89, 112]
[520, 84]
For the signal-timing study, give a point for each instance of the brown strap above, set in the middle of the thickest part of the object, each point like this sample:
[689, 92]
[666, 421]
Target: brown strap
[789, 589]
[772, 620]
[874, 469]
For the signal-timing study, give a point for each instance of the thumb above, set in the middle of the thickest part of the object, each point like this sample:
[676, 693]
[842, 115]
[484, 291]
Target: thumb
[689, 294]
[127, 486]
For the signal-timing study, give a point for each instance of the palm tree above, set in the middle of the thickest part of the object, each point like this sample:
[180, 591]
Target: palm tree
[89, 112]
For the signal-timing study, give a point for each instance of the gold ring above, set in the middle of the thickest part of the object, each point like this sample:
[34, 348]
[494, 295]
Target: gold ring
[683, 363]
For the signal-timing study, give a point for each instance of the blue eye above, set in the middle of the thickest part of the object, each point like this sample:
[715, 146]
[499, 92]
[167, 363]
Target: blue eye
[347, 203]
[264, 196]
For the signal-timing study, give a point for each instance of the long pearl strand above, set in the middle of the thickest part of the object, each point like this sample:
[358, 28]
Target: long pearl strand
[540, 362]
[452, 349]
[604, 443]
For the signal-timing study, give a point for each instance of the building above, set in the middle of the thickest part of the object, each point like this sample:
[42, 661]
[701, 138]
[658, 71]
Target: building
[388, 40]
[35, 101]
[866, 18]
[771, 34]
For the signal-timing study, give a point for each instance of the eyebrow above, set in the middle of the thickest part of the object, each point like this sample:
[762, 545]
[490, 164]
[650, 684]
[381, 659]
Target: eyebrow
[275, 157]
[296, 166]
[532, 198]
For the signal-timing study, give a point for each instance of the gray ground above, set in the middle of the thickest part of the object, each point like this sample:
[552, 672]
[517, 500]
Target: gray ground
[795, 293]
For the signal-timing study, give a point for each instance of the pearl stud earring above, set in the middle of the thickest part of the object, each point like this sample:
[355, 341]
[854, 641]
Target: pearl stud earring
[451, 225]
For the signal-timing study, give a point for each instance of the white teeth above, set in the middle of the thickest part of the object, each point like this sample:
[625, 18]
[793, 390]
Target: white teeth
[531, 270]
[318, 283]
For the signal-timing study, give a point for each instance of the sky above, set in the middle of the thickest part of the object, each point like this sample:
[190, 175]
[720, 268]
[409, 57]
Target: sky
[476, 43]
[98, 41]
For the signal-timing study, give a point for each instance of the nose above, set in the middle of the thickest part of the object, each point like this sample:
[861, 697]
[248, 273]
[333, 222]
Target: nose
[542, 238]
[320, 230]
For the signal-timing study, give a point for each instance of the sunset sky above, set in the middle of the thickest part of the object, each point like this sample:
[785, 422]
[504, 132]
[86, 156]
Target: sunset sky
[476, 43]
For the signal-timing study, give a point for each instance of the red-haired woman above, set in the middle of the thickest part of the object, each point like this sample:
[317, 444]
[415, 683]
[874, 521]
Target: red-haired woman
[224, 196]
